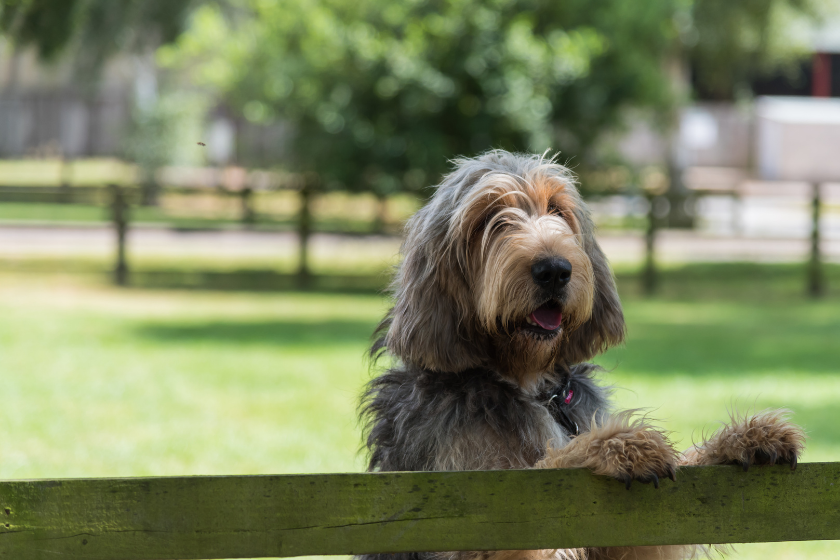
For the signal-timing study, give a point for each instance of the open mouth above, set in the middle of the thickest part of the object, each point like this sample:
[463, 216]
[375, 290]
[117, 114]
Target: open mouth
[546, 320]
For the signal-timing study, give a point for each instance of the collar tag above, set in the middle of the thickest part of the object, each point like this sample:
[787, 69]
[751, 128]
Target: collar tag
[559, 411]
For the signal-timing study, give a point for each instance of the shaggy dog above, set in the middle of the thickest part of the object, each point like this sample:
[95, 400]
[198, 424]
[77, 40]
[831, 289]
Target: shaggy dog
[501, 298]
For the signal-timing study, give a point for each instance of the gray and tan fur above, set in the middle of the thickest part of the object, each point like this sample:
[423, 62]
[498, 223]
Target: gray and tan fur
[478, 370]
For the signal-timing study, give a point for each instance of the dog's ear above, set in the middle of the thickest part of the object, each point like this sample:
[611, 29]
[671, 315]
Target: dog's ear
[428, 324]
[605, 327]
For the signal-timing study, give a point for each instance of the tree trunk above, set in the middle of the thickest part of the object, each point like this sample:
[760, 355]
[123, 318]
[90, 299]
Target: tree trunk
[678, 195]
[66, 196]
[649, 276]
[150, 190]
[119, 216]
[9, 125]
[381, 219]
[247, 199]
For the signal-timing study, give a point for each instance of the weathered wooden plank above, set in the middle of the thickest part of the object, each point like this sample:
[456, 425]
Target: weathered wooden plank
[263, 516]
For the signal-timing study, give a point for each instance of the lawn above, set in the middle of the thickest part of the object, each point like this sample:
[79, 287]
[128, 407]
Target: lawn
[105, 382]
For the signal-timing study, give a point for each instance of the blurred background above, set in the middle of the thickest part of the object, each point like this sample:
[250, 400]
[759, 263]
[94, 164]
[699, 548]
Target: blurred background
[201, 202]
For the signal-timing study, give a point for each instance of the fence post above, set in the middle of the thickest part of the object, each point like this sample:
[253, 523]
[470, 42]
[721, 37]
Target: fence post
[816, 285]
[649, 279]
[119, 216]
[381, 217]
[246, 197]
[65, 196]
[304, 231]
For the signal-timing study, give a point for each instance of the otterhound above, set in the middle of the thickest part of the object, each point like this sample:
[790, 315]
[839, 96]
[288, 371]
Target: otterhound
[501, 298]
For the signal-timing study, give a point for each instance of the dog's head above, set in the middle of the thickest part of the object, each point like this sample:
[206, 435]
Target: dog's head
[501, 270]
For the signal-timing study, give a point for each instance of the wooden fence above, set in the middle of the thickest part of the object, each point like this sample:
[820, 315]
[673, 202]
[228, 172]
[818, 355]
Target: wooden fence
[121, 198]
[329, 514]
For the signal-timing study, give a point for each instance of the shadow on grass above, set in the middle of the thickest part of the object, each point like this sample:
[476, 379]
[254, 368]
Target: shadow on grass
[276, 333]
[257, 281]
[728, 347]
[730, 281]
[756, 282]
[739, 282]
[243, 280]
[709, 319]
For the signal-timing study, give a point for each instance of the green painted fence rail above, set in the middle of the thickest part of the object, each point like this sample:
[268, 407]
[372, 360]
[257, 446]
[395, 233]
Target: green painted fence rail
[291, 515]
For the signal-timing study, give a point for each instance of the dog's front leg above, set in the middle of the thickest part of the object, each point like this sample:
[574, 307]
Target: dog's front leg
[628, 449]
[623, 447]
[766, 438]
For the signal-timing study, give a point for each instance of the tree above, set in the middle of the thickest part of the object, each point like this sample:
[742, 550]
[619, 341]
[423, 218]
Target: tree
[89, 32]
[381, 95]
[386, 92]
[96, 29]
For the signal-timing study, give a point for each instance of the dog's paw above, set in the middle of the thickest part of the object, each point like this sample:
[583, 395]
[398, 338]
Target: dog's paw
[642, 454]
[767, 438]
[623, 447]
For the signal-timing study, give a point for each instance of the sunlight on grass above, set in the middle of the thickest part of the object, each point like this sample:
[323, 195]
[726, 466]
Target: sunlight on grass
[105, 382]
[165, 384]
[691, 363]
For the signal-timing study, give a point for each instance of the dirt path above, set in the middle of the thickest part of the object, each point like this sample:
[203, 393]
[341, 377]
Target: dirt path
[672, 246]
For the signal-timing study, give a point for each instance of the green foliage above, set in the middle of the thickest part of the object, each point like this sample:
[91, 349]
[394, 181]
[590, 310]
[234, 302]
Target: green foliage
[46, 24]
[165, 132]
[96, 28]
[382, 94]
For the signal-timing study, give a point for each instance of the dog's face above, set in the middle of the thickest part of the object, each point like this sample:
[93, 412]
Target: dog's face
[529, 276]
[501, 270]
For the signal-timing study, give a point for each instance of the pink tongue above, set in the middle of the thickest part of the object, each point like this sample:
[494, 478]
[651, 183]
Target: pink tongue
[548, 318]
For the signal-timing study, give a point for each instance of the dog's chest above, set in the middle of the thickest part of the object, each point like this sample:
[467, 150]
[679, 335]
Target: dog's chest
[494, 427]
[471, 420]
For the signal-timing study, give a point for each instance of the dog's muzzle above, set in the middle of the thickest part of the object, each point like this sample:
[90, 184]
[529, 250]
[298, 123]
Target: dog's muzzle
[552, 274]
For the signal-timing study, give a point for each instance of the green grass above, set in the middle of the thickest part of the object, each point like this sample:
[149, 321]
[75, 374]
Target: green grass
[45, 212]
[692, 362]
[108, 383]
[104, 382]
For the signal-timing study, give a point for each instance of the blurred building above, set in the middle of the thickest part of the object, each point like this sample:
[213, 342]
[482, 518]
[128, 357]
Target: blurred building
[46, 111]
[724, 134]
[818, 77]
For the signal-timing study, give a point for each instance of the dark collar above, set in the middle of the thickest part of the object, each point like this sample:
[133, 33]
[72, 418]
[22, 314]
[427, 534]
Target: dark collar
[560, 401]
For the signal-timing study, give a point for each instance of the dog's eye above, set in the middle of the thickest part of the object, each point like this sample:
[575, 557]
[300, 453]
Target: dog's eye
[556, 210]
[492, 220]
[480, 226]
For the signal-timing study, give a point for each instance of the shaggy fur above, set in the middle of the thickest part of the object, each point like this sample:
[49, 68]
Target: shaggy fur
[764, 439]
[622, 447]
[482, 380]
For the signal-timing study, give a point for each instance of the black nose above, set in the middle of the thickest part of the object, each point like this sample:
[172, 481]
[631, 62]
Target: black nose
[552, 273]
